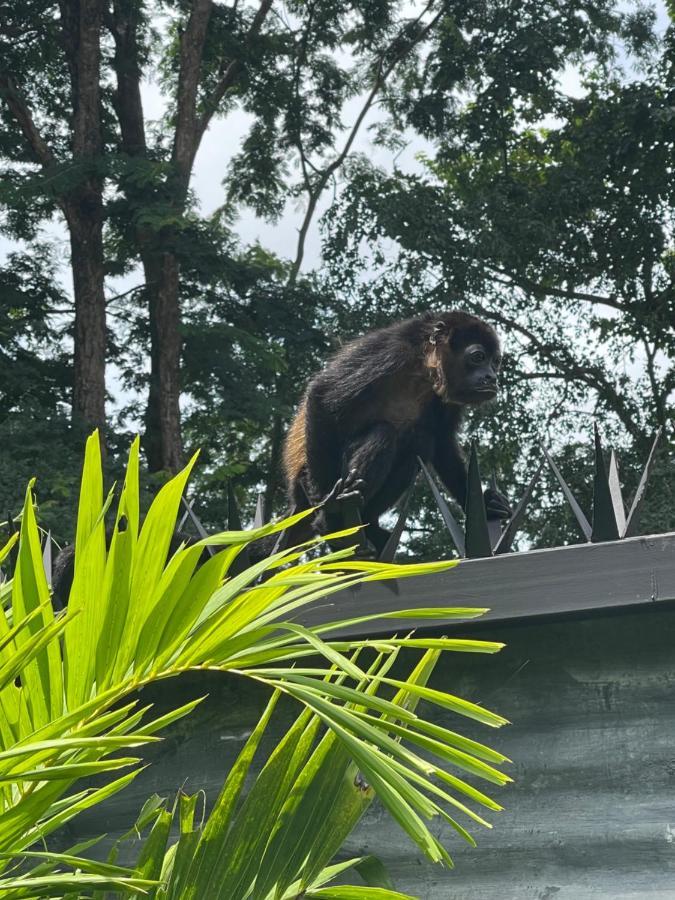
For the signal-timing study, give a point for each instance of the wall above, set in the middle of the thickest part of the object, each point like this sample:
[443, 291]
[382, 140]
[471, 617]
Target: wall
[592, 812]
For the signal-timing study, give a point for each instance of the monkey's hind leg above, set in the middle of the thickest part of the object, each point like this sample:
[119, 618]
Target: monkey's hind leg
[341, 509]
[367, 463]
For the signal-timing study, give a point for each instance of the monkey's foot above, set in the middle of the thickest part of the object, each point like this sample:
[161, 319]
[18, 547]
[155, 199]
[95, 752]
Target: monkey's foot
[496, 505]
[346, 492]
[366, 551]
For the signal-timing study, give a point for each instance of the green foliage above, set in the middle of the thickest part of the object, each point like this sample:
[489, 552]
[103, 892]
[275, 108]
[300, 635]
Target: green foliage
[551, 217]
[134, 618]
[546, 208]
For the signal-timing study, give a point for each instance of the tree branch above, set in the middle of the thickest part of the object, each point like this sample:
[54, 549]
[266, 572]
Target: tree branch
[19, 109]
[186, 137]
[540, 376]
[298, 63]
[657, 396]
[127, 99]
[534, 287]
[231, 73]
[382, 74]
[137, 287]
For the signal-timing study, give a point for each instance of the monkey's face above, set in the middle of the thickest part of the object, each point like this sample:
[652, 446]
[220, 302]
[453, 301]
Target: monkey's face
[470, 374]
[463, 359]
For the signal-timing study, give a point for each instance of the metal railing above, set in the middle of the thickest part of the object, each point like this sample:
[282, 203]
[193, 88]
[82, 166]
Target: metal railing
[478, 537]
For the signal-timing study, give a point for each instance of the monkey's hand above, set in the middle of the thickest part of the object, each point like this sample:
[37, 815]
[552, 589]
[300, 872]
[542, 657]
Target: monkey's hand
[347, 491]
[496, 505]
[344, 503]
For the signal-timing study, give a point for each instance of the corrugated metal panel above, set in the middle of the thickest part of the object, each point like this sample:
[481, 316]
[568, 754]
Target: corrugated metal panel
[591, 815]
[575, 579]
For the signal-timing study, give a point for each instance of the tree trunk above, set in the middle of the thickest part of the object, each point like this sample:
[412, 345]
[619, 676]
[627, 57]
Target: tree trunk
[163, 443]
[83, 207]
[86, 242]
[162, 440]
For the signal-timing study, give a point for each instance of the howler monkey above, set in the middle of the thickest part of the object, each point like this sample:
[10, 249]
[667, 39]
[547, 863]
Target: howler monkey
[383, 400]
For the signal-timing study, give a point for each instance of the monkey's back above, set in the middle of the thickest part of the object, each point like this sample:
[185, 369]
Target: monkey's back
[351, 385]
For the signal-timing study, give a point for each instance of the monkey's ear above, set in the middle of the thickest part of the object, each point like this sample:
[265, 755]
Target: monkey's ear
[440, 332]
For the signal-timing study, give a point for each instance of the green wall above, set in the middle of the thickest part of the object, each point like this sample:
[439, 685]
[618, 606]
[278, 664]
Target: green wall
[592, 810]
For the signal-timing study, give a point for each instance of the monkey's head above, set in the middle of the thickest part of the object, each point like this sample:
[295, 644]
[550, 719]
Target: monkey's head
[463, 357]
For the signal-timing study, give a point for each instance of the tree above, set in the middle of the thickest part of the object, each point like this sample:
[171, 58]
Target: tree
[34, 390]
[51, 113]
[292, 75]
[559, 234]
[474, 80]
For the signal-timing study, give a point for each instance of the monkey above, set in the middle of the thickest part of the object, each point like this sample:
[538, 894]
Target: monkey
[385, 399]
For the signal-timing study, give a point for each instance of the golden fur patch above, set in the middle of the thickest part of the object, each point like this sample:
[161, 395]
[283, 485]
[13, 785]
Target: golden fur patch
[295, 447]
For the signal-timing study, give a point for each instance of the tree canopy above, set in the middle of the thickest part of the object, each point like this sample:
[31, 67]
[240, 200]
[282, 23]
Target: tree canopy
[542, 199]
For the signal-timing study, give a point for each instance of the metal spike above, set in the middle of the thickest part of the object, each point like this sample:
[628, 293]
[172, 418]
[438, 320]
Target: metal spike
[390, 584]
[604, 521]
[584, 524]
[506, 540]
[282, 540]
[633, 521]
[615, 493]
[186, 514]
[351, 518]
[302, 503]
[389, 550]
[477, 535]
[201, 531]
[242, 560]
[233, 517]
[451, 523]
[494, 526]
[47, 558]
[259, 518]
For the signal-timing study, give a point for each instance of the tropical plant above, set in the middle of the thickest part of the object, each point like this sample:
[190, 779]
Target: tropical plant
[133, 619]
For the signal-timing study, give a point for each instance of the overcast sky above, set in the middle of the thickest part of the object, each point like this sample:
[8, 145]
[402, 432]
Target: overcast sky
[223, 139]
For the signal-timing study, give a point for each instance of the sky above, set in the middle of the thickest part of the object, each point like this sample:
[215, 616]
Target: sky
[222, 141]
[225, 135]
[219, 144]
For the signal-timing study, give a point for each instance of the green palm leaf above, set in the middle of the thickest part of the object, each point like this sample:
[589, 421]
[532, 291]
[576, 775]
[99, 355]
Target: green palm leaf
[135, 617]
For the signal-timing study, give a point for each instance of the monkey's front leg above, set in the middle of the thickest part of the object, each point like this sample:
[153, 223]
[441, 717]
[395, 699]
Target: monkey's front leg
[368, 460]
[451, 468]
[343, 504]
[347, 490]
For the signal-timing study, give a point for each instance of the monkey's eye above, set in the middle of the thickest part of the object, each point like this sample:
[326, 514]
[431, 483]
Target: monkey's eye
[477, 356]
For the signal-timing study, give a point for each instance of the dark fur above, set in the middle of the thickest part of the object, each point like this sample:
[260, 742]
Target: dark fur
[392, 395]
